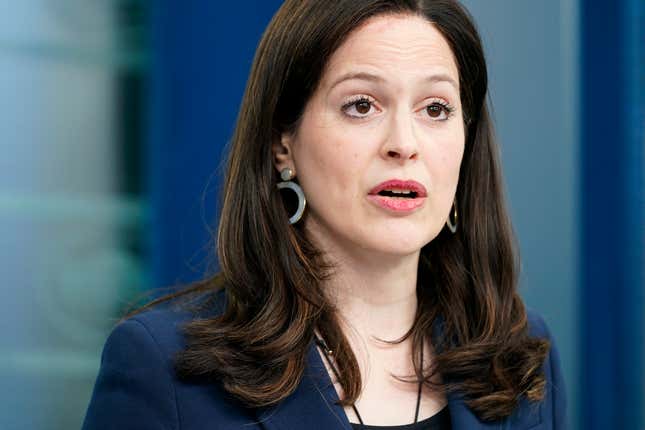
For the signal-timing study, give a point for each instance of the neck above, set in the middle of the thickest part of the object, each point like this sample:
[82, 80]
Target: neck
[377, 300]
[374, 293]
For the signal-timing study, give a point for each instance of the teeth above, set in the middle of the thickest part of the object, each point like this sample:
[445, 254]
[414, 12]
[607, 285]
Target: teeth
[399, 191]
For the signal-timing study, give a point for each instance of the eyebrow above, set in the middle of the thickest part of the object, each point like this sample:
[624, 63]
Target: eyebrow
[439, 77]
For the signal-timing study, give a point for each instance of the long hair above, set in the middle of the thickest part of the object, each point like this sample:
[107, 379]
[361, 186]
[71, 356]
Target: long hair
[273, 274]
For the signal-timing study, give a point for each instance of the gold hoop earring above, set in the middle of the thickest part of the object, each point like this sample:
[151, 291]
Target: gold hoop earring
[452, 226]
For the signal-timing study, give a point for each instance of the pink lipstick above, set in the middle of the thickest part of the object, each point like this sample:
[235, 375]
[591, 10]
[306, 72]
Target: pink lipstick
[397, 195]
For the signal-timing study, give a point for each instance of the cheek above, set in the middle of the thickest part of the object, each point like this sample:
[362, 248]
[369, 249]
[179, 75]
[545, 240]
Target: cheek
[443, 160]
[328, 167]
[452, 165]
[326, 154]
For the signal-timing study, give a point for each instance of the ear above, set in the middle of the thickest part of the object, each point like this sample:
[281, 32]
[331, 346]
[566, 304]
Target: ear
[282, 152]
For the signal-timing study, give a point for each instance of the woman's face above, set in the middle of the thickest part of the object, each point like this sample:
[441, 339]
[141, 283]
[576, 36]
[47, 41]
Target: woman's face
[387, 109]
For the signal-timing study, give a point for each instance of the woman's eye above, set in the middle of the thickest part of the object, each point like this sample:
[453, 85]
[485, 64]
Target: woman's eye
[359, 108]
[438, 111]
[363, 107]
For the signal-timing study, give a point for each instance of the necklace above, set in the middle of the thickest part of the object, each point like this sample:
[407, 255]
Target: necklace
[327, 353]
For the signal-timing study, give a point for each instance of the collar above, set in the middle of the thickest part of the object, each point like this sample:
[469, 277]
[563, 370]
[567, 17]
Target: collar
[314, 404]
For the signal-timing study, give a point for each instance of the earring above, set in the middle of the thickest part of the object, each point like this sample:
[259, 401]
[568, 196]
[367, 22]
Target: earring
[452, 226]
[286, 175]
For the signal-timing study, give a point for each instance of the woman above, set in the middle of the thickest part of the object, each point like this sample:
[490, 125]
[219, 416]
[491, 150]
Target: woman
[385, 294]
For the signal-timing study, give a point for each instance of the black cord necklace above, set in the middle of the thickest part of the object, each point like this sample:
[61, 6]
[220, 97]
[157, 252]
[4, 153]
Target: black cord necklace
[327, 353]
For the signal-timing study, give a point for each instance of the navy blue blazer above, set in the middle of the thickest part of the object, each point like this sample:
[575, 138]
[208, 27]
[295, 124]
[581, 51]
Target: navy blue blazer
[137, 388]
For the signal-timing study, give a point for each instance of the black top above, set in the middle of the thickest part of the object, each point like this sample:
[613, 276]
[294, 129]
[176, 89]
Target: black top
[439, 421]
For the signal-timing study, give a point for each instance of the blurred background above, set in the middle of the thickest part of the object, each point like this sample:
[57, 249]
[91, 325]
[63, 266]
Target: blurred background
[113, 119]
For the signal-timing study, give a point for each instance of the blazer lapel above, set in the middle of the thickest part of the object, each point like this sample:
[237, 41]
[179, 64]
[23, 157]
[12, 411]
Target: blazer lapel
[464, 419]
[461, 416]
[313, 405]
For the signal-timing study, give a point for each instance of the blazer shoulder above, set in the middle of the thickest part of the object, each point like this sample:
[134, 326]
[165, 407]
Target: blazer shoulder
[164, 323]
[137, 386]
[556, 397]
[537, 326]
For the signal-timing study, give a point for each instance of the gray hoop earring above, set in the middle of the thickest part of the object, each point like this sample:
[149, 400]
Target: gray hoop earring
[452, 226]
[286, 175]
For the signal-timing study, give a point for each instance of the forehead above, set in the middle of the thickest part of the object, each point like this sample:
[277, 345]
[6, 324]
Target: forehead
[398, 45]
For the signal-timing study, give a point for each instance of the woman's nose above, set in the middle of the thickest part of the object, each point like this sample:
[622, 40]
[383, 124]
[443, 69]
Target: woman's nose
[401, 143]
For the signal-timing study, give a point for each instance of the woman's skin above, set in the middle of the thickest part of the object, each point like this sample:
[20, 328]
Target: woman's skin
[343, 148]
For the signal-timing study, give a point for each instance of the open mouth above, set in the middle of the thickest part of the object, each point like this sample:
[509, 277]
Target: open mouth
[398, 196]
[401, 194]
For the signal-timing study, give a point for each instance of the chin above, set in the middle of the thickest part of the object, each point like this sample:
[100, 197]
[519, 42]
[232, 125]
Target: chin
[393, 237]
[396, 242]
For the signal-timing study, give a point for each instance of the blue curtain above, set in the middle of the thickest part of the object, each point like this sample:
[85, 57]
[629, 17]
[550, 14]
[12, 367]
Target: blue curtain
[201, 56]
[612, 218]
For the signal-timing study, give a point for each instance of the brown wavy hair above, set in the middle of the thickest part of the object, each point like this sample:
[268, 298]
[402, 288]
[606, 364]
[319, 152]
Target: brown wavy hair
[273, 274]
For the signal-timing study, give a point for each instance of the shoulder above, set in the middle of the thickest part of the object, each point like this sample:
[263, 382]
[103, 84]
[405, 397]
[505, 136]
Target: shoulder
[555, 404]
[163, 324]
[537, 326]
[137, 386]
